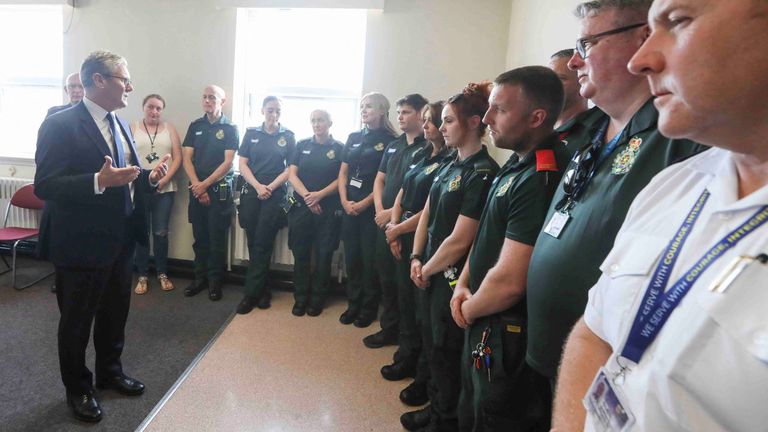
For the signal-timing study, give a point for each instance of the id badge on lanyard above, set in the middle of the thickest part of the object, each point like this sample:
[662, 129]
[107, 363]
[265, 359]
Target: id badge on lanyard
[557, 223]
[607, 404]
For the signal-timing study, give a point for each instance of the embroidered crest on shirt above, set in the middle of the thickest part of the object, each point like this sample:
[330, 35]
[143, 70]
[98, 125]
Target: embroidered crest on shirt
[428, 170]
[220, 134]
[379, 147]
[505, 187]
[331, 154]
[454, 184]
[624, 160]
[282, 142]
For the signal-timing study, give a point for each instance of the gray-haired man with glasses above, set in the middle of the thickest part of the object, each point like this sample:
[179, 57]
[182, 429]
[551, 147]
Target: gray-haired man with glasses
[621, 153]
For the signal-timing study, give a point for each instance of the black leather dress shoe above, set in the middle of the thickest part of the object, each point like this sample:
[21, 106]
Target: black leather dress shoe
[314, 310]
[380, 339]
[246, 305]
[214, 292]
[299, 309]
[122, 384]
[348, 317]
[415, 394]
[264, 302]
[364, 321]
[399, 370]
[195, 287]
[414, 420]
[85, 407]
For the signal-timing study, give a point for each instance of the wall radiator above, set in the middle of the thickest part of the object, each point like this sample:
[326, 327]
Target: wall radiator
[17, 217]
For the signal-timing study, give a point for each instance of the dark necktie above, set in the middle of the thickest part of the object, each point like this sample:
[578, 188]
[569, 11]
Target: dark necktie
[119, 161]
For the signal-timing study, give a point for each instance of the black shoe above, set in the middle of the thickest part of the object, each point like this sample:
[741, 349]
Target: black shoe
[348, 317]
[364, 321]
[414, 420]
[195, 287]
[314, 310]
[214, 292]
[265, 302]
[380, 339]
[122, 384]
[398, 370]
[85, 407]
[415, 394]
[246, 305]
[299, 309]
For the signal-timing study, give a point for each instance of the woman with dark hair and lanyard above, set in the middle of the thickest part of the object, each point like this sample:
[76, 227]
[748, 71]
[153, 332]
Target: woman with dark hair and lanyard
[359, 164]
[314, 220]
[444, 235]
[263, 164]
[406, 212]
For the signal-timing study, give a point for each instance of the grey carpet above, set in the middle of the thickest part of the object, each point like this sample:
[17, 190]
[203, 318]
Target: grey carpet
[165, 332]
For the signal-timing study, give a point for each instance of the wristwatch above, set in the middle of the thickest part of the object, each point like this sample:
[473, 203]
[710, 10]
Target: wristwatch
[415, 256]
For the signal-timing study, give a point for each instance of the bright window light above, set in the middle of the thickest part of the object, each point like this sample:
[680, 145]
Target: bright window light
[310, 58]
[31, 75]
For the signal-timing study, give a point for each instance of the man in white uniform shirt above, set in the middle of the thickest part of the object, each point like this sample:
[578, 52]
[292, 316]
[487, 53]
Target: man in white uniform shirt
[675, 334]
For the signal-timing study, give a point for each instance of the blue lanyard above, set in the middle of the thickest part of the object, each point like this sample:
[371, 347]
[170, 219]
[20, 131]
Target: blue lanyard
[658, 305]
[609, 147]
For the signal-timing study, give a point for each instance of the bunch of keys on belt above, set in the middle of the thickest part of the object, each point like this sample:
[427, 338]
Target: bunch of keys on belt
[482, 353]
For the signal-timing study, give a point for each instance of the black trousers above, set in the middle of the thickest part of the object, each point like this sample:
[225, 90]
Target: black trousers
[388, 280]
[93, 296]
[210, 228]
[359, 236]
[309, 233]
[267, 219]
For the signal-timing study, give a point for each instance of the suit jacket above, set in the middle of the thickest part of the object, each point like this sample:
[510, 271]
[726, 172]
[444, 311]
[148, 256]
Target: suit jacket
[83, 229]
[54, 110]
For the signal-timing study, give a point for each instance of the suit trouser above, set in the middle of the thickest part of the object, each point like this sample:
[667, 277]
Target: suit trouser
[387, 269]
[84, 295]
[210, 229]
[359, 236]
[309, 232]
[261, 241]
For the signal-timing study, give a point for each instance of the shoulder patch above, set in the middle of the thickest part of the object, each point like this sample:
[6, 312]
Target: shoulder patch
[545, 160]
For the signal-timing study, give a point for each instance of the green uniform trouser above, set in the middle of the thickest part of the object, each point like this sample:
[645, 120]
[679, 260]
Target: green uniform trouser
[210, 229]
[517, 398]
[388, 280]
[359, 236]
[445, 361]
[261, 232]
[319, 233]
[408, 298]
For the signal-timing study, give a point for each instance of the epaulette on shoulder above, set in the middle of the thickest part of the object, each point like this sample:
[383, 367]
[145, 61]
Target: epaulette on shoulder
[545, 160]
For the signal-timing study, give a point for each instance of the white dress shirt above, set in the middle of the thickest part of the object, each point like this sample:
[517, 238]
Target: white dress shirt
[707, 370]
[99, 115]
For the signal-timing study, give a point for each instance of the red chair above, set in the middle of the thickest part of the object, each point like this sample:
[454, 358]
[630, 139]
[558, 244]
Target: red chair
[24, 198]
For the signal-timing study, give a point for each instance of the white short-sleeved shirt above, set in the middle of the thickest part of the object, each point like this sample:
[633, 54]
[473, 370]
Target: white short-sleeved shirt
[708, 368]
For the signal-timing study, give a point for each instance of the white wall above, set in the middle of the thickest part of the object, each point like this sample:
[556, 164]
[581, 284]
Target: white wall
[538, 29]
[176, 47]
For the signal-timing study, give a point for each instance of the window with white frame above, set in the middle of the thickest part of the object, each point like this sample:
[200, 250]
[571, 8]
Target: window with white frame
[310, 58]
[31, 75]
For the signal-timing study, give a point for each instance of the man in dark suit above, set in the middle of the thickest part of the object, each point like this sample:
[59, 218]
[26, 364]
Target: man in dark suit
[88, 172]
[74, 89]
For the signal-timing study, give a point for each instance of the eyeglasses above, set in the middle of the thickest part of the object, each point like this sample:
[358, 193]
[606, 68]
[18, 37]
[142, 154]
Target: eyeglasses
[126, 81]
[210, 97]
[581, 44]
[576, 178]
